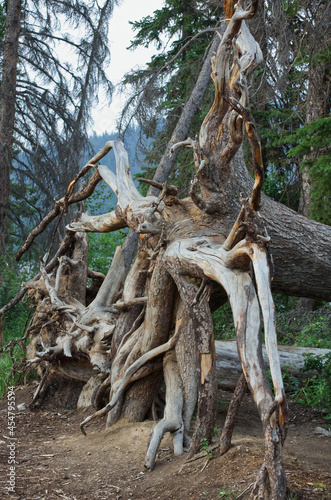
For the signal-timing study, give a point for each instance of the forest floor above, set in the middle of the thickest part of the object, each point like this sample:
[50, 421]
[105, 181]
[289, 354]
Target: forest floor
[55, 461]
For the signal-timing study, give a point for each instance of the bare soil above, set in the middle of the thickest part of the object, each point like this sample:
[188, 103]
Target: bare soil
[54, 460]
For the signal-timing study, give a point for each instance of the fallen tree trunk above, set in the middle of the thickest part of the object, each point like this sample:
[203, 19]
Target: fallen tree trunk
[229, 369]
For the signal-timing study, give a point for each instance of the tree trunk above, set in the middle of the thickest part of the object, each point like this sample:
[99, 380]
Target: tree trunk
[7, 107]
[318, 100]
[229, 369]
[184, 123]
[317, 106]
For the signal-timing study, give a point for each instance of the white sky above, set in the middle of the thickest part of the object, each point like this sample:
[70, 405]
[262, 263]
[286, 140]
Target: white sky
[122, 60]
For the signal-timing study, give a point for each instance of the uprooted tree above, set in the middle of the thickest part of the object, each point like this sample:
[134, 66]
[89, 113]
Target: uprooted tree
[149, 322]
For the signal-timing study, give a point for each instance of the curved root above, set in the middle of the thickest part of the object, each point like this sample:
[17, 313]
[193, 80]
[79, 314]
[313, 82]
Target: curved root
[225, 441]
[172, 420]
[127, 378]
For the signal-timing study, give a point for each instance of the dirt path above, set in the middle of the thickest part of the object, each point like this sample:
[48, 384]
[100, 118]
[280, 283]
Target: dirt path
[56, 461]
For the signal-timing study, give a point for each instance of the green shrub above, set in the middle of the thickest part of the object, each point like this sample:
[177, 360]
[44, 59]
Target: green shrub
[6, 369]
[15, 321]
[102, 248]
[310, 329]
[223, 323]
[317, 391]
[11, 277]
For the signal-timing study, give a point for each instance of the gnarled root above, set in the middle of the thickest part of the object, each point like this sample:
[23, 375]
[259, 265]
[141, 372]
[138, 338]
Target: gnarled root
[172, 420]
[271, 475]
[128, 377]
[225, 441]
[186, 357]
[202, 328]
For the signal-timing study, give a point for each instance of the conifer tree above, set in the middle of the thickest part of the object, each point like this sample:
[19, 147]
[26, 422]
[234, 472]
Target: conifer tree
[61, 58]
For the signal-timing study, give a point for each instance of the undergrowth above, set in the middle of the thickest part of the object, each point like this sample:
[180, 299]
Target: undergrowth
[298, 328]
[15, 321]
[316, 390]
[305, 328]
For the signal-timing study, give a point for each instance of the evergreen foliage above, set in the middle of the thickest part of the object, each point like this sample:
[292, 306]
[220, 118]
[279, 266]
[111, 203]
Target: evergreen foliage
[14, 323]
[63, 52]
[160, 91]
[292, 39]
[313, 147]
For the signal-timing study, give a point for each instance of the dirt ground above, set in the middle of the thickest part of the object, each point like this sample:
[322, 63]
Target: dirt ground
[55, 461]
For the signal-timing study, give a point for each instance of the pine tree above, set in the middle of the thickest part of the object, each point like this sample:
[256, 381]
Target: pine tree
[62, 55]
[184, 30]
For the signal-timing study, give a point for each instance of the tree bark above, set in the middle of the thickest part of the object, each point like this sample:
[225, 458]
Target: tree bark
[318, 99]
[184, 123]
[7, 107]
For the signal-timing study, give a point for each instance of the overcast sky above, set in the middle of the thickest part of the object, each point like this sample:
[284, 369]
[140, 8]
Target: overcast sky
[122, 60]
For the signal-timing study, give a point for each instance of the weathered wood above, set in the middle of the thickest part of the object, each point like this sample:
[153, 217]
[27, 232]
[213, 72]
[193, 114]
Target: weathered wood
[186, 356]
[202, 330]
[190, 109]
[172, 420]
[228, 365]
[226, 436]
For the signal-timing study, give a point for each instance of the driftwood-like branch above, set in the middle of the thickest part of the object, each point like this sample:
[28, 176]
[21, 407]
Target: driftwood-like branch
[104, 223]
[137, 301]
[250, 55]
[255, 201]
[226, 436]
[95, 275]
[93, 161]
[49, 267]
[262, 277]
[188, 143]
[69, 198]
[170, 190]
[58, 207]
[126, 379]
[172, 420]
[196, 198]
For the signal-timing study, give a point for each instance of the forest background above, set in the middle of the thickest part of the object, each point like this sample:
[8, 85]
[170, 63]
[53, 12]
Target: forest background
[290, 102]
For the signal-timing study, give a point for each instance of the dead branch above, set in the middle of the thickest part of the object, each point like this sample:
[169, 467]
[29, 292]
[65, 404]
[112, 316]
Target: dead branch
[170, 190]
[69, 198]
[65, 244]
[137, 301]
[255, 200]
[58, 207]
[225, 440]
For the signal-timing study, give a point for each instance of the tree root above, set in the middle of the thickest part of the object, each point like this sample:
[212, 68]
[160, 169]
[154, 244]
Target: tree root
[172, 420]
[260, 485]
[271, 477]
[226, 436]
[127, 378]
